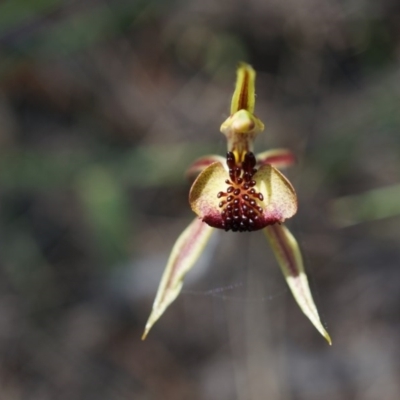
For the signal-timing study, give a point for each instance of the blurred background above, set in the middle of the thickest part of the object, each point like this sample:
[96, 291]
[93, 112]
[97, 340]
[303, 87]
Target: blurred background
[103, 105]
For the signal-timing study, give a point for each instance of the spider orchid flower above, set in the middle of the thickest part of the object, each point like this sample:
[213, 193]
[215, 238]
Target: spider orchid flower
[243, 193]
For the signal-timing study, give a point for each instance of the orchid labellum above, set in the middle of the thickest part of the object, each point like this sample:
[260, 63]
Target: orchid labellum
[241, 192]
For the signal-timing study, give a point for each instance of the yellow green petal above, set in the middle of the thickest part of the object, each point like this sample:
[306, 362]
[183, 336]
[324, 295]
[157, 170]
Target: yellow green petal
[185, 253]
[201, 163]
[244, 94]
[280, 200]
[289, 257]
[278, 158]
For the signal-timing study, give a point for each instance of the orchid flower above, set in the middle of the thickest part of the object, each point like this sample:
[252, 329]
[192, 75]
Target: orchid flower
[241, 192]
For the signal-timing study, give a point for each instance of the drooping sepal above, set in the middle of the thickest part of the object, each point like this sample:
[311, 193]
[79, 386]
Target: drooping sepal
[185, 253]
[201, 163]
[288, 254]
[278, 158]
